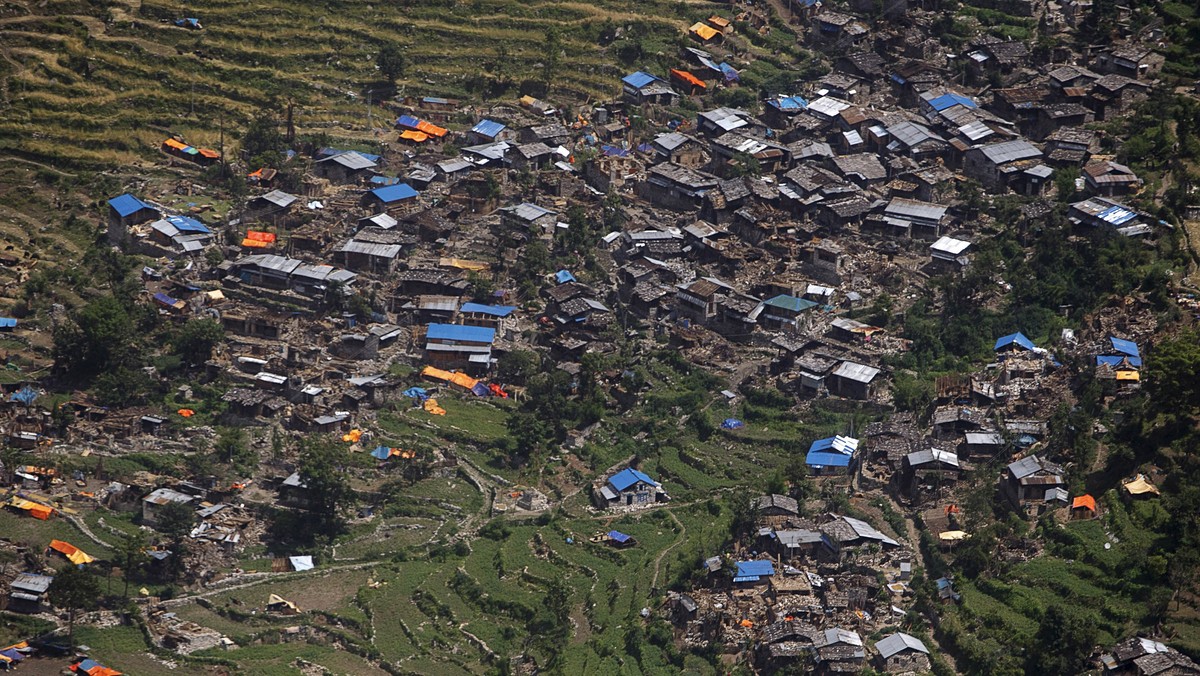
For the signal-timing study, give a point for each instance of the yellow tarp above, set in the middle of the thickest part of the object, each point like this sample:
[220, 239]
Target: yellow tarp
[460, 379]
[215, 295]
[38, 511]
[431, 406]
[74, 554]
[275, 599]
[952, 536]
[1140, 486]
[353, 436]
[414, 136]
[703, 31]
[1132, 376]
[463, 264]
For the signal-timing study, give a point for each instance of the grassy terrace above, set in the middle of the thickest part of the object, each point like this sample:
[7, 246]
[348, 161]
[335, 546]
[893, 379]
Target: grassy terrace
[97, 85]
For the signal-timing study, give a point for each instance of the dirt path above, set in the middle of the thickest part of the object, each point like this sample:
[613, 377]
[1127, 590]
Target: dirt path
[678, 539]
[260, 578]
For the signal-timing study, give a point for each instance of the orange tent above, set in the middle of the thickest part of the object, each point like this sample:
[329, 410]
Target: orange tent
[177, 145]
[255, 243]
[210, 154]
[414, 136]
[1084, 501]
[260, 236]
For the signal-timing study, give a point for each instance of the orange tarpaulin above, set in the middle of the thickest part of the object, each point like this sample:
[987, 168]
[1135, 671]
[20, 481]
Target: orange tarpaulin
[688, 78]
[255, 243]
[177, 145]
[431, 129]
[414, 136]
[260, 236]
[353, 436]
[186, 412]
[211, 154]
[431, 406]
[703, 31]
[1084, 502]
[74, 554]
[460, 379]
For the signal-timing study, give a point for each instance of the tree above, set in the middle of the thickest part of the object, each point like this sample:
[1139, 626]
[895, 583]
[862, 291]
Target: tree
[74, 589]
[391, 61]
[231, 446]
[518, 365]
[329, 494]
[97, 338]
[552, 55]
[262, 144]
[1065, 638]
[131, 553]
[196, 340]
[175, 521]
[1173, 373]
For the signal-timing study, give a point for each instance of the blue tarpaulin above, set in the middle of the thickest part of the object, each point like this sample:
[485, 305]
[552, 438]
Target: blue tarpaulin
[1017, 339]
[481, 390]
[732, 424]
[618, 536]
[416, 393]
[730, 74]
[25, 396]
[564, 276]
[381, 452]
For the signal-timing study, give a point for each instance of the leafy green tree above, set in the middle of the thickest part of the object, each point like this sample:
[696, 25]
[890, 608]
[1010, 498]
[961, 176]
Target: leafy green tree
[1173, 373]
[321, 469]
[131, 553]
[231, 447]
[175, 521]
[517, 366]
[1065, 638]
[197, 339]
[97, 338]
[74, 589]
[263, 144]
[551, 54]
[391, 61]
[121, 386]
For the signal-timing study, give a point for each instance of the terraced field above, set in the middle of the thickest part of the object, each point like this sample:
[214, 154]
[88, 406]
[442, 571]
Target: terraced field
[96, 85]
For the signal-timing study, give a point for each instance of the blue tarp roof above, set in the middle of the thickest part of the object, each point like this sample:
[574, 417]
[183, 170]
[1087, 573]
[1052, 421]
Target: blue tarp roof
[1126, 347]
[435, 99]
[618, 536]
[493, 310]
[755, 569]
[789, 103]
[614, 151]
[408, 121]
[1017, 339]
[826, 459]
[949, 100]
[381, 452]
[188, 224]
[165, 299]
[786, 302]
[25, 396]
[13, 655]
[126, 205]
[564, 276]
[468, 334]
[488, 128]
[628, 477]
[8, 323]
[87, 665]
[732, 424]
[639, 79]
[384, 180]
[416, 393]
[730, 74]
[395, 193]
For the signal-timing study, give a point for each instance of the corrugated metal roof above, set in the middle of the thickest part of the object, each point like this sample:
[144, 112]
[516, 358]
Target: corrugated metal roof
[350, 159]
[528, 211]
[897, 643]
[370, 249]
[856, 372]
[1010, 151]
[488, 128]
[950, 245]
[279, 198]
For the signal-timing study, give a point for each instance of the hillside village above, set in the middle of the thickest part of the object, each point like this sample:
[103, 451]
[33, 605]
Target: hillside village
[553, 268]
